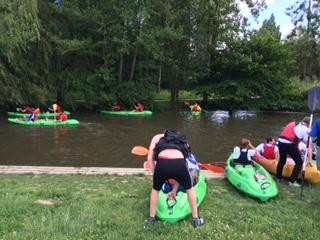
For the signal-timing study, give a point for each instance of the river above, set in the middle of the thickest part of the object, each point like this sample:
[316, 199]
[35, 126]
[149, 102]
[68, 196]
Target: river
[104, 141]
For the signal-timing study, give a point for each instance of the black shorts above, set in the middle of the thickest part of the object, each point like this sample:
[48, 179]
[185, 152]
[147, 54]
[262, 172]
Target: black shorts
[171, 168]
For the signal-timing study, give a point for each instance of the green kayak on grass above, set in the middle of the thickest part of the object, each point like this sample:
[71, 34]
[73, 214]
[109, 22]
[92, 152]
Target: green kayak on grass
[40, 115]
[252, 180]
[181, 208]
[42, 122]
[127, 113]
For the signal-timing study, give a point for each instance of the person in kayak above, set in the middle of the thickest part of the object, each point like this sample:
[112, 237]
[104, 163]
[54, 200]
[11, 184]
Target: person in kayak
[55, 108]
[27, 109]
[139, 107]
[269, 150]
[288, 142]
[63, 117]
[243, 153]
[34, 115]
[170, 151]
[116, 107]
[195, 107]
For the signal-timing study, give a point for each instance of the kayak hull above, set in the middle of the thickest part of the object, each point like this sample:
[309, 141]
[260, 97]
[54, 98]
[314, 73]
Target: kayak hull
[127, 113]
[312, 175]
[40, 115]
[181, 209]
[252, 180]
[195, 113]
[42, 122]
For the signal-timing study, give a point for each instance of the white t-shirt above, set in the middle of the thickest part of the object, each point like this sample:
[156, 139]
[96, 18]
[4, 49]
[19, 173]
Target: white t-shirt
[260, 148]
[236, 153]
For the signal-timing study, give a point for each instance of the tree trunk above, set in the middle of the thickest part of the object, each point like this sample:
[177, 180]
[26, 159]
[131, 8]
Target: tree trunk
[159, 79]
[120, 68]
[134, 60]
[175, 89]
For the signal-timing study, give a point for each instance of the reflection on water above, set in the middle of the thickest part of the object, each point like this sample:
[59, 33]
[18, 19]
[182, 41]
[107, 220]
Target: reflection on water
[107, 141]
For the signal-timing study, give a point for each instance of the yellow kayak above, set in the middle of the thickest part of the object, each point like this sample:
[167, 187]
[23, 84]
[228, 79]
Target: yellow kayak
[312, 174]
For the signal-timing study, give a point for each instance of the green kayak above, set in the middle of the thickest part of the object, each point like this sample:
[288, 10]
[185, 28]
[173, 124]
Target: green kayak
[42, 122]
[126, 113]
[253, 180]
[195, 113]
[40, 115]
[181, 209]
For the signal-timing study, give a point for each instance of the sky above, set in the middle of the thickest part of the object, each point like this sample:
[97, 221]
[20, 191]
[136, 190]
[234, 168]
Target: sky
[278, 8]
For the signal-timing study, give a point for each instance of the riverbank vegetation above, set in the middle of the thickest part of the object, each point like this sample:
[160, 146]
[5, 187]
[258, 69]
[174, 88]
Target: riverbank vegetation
[115, 207]
[89, 54]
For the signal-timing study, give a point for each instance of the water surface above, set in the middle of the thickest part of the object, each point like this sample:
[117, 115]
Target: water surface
[106, 141]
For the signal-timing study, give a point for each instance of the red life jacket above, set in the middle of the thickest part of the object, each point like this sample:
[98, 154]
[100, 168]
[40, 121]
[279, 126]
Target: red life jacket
[288, 132]
[268, 151]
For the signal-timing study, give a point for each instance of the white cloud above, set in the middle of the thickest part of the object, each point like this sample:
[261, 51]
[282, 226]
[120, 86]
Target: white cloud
[244, 10]
[270, 2]
[285, 30]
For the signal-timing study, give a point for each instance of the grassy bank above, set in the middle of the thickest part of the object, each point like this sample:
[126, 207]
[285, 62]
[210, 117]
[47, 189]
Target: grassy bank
[115, 207]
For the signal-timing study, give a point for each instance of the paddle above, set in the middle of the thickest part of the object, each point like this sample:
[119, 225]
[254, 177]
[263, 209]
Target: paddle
[313, 104]
[142, 151]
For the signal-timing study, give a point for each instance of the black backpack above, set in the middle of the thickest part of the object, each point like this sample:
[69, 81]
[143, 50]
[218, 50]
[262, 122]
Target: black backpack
[172, 140]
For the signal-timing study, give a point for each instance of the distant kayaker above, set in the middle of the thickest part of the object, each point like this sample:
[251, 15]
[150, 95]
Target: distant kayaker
[288, 143]
[27, 109]
[63, 117]
[243, 153]
[269, 150]
[170, 150]
[139, 107]
[55, 108]
[34, 115]
[116, 107]
[195, 107]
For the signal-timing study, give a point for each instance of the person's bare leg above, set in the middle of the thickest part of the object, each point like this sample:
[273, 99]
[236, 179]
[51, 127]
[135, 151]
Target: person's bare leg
[154, 197]
[193, 202]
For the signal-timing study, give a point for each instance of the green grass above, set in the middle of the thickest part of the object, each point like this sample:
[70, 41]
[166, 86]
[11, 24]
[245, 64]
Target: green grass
[115, 207]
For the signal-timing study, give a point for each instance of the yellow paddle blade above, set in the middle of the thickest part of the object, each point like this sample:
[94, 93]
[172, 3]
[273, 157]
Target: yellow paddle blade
[139, 151]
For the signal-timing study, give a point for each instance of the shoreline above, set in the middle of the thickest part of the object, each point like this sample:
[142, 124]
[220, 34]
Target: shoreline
[8, 169]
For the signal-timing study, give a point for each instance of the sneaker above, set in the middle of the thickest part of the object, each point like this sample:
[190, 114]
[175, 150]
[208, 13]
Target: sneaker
[151, 220]
[197, 222]
[294, 184]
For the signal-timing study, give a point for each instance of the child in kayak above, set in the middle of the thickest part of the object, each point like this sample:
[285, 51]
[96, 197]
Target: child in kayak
[195, 108]
[63, 117]
[116, 107]
[34, 116]
[139, 107]
[243, 153]
[269, 150]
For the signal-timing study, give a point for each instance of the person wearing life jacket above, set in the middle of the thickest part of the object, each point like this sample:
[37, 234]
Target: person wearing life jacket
[63, 117]
[56, 108]
[170, 151]
[288, 142]
[269, 150]
[243, 153]
[34, 116]
[315, 134]
[139, 107]
[195, 107]
[27, 109]
[116, 107]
